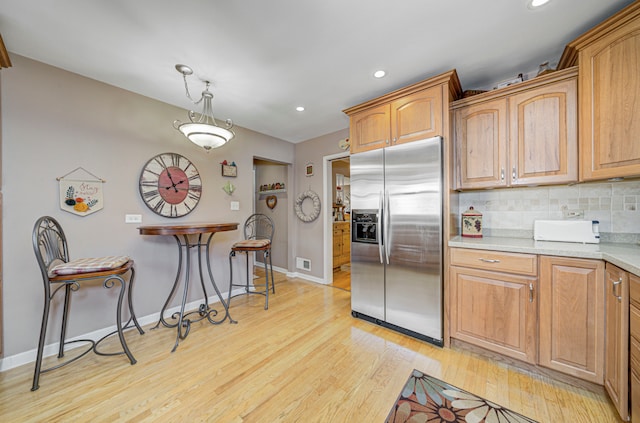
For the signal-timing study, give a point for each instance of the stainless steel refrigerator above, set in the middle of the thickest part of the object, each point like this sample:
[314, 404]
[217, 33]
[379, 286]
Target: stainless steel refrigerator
[396, 237]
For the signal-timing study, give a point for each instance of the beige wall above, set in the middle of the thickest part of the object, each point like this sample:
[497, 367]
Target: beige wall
[53, 122]
[310, 236]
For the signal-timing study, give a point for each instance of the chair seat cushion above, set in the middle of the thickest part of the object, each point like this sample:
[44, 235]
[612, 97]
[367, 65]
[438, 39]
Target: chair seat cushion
[252, 243]
[87, 265]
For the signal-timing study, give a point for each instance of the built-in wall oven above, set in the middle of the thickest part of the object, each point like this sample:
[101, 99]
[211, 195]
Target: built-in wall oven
[365, 226]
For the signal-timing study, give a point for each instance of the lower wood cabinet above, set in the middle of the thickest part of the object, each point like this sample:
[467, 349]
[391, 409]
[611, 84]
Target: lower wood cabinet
[493, 309]
[341, 244]
[616, 366]
[634, 346]
[571, 316]
[580, 317]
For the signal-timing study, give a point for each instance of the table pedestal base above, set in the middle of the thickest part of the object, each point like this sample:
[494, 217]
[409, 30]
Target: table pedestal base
[204, 311]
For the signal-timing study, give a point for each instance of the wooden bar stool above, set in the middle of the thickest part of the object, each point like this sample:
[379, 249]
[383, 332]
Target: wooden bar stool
[258, 234]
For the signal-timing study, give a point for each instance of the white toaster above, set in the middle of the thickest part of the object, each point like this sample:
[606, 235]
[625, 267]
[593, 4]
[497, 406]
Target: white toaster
[585, 231]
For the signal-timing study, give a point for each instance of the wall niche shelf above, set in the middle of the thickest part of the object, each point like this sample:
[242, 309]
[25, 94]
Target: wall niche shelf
[272, 191]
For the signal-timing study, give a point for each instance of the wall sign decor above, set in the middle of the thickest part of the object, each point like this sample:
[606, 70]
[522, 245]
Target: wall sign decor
[170, 185]
[271, 201]
[308, 169]
[230, 170]
[80, 192]
[315, 212]
[229, 188]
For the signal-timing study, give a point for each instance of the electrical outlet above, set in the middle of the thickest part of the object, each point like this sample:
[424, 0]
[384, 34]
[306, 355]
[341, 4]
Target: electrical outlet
[572, 214]
[132, 218]
[235, 205]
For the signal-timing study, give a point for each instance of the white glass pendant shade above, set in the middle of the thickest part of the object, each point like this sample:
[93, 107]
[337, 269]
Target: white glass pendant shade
[205, 135]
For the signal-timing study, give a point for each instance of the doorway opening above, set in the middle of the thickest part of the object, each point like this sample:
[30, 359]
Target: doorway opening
[338, 212]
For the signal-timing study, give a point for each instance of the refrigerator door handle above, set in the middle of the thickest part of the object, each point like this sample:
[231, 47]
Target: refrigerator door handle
[378, 233]
[387, 219]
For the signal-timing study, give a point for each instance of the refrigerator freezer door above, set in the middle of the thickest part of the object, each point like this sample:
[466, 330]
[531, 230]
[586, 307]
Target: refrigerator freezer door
[413, 186]
[367, 270]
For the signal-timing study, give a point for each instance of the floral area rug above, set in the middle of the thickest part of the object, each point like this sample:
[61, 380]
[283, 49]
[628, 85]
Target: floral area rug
[425, 399]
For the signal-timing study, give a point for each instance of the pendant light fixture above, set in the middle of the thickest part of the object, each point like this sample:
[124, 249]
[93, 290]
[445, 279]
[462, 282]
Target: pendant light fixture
[203, 130]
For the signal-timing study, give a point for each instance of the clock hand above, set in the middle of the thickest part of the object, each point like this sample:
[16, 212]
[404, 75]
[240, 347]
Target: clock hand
[173, 184]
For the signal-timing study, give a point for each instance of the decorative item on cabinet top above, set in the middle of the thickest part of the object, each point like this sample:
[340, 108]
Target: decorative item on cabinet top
[472, 223]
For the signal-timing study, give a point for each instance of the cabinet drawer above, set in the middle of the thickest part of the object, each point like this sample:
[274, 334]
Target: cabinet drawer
[523, 264]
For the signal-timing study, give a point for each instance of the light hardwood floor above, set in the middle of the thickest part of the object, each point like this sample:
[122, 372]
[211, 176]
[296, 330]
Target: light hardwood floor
[305, 359]
[342, 278]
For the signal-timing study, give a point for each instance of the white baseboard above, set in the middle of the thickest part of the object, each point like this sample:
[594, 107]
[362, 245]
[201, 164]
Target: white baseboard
[307, 277]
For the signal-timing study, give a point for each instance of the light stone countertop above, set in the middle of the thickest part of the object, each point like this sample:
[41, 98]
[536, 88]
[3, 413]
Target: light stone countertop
[625, 256]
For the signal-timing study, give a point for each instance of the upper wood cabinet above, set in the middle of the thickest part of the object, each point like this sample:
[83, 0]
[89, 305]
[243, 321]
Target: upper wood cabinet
[369, 129]
[525, 134]
[481, 144]
[409, 114]
[608, 57]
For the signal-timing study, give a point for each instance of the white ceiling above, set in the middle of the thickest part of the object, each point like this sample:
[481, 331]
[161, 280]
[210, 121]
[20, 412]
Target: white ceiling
[265, 57]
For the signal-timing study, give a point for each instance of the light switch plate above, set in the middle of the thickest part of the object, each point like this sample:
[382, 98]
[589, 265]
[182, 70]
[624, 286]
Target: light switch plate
[132, 218]
[235, 205]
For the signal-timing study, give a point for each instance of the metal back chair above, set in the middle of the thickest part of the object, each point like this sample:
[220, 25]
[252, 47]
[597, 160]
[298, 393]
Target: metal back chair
[60, 273]
[258, 234]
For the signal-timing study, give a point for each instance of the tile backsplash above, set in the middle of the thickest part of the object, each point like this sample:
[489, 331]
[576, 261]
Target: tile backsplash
[511, 212]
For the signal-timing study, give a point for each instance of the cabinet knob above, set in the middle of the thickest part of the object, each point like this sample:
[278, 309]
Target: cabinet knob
[514, 176]
[502, 174]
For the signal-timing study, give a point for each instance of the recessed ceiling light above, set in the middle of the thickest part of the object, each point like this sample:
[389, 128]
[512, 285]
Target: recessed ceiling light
[300, 109]
[379, 74]
[532, 4]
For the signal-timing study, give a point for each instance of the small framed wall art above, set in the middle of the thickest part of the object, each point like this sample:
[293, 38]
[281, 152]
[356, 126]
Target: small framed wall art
[308, 169]
[230, 170]
[80, 192]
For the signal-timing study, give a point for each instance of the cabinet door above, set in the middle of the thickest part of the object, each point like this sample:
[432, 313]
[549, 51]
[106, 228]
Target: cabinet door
[609, 103]
[635, 397]
[543, 135]
[337, 247]
[370, 129]
[346, 245]
[417, 116]
[496, 311]
[481, 140]
[571, 316]
[616, 369]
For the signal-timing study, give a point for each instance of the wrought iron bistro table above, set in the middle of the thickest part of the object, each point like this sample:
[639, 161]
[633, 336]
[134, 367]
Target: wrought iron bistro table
[181, 233]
